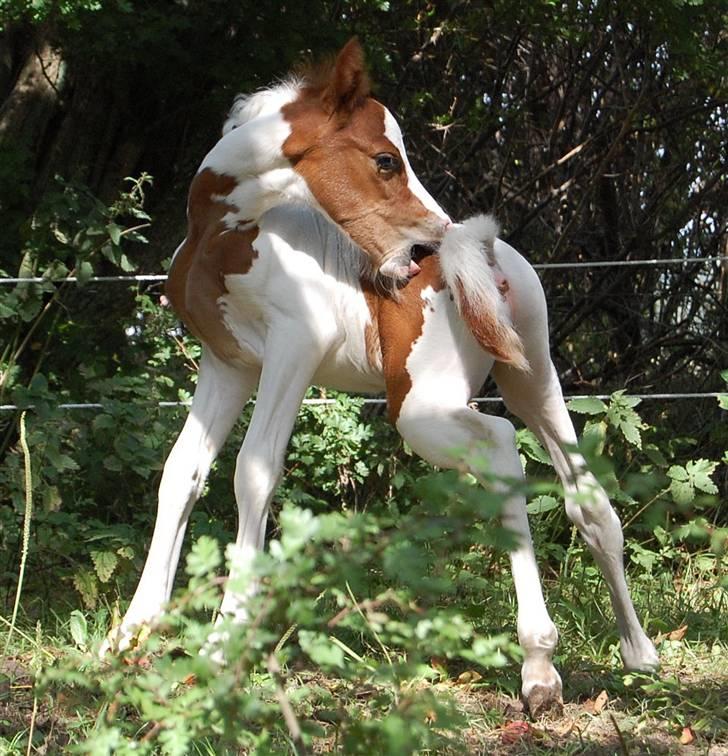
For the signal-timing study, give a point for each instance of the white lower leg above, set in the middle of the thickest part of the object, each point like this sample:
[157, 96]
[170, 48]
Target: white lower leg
[537, 634]
[537, 400]
[589, 509]
[290, 362]
[220, 395]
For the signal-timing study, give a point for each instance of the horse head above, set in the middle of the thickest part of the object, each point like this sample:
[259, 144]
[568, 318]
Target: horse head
[322, 139]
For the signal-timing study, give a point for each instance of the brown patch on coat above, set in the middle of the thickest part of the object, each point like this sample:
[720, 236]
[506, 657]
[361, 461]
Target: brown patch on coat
[400, 325]
[209, 253]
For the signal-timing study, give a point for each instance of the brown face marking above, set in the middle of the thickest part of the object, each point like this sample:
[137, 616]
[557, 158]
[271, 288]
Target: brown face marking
[209, 253]
[400, 325]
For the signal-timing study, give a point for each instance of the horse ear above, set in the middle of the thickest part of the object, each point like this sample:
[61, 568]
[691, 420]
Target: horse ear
[349, 83]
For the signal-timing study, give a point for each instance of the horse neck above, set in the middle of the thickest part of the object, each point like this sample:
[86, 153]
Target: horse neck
[313, 234]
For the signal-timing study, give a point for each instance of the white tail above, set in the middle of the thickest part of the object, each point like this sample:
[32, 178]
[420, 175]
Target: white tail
[467, 262]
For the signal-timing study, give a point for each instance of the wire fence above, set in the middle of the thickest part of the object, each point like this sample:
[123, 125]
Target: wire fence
[157, 277]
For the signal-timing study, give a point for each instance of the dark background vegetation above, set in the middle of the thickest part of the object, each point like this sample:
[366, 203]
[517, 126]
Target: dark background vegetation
[594, 130]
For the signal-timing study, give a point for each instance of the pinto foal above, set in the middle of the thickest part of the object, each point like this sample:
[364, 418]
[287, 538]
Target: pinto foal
[282, 299]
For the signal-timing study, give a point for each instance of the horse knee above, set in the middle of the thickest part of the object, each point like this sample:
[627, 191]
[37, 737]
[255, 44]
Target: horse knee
[421, 428]
[443, 435]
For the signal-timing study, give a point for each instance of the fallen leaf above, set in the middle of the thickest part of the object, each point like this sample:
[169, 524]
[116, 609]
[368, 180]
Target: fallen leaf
[143, 662]
[687, 736]
[596, 705]
[512, 732]
[469, 676]
[673, 635]
[600, 702]
[566, 729]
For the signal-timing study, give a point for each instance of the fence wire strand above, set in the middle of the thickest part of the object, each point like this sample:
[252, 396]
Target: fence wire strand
[158, 277]
[382, 401]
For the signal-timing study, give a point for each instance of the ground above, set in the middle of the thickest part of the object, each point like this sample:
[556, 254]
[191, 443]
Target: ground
[682, 712]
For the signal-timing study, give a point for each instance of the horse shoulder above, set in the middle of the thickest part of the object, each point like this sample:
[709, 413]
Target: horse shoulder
[210, 252]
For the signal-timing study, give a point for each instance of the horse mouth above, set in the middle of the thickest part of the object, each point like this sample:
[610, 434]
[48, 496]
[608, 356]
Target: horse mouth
[419, 251]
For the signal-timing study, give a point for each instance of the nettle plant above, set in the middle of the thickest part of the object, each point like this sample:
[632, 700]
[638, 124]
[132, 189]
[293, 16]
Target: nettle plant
[347, 602]
[360, 610]
[48, 359]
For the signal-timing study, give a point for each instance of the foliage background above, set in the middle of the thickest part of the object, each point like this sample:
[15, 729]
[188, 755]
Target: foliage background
[594, 130]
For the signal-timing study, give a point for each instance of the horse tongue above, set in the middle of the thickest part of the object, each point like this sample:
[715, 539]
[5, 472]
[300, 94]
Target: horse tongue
[413, 269]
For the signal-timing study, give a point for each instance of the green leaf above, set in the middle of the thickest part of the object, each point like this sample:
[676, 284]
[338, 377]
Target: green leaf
[681, 488]
[695, 475]
[125, 552]
[676, 472]
[682, 492]
[85, 583]
[126, 264]
[6, 312]
[79, 628]
[631, 433]
[84, 271]
[656, 456]
[542, 504]
[320, 649]
[204, 557]
[60, 461]
[104, 563]
[700, 472]
[114, 233]
[531, 446]
[587, 405]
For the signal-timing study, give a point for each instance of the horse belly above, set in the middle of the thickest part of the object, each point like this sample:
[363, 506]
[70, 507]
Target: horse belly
[346, 369]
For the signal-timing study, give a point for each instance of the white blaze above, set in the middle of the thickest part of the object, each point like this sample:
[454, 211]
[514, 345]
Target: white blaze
[394, 134]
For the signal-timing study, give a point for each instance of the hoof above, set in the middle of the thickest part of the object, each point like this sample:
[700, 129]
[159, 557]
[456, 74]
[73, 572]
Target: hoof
[542, 700]
[119, 639]
[642, 658]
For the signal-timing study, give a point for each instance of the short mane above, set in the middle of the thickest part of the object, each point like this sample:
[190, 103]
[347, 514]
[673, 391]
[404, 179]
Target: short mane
[264, 102]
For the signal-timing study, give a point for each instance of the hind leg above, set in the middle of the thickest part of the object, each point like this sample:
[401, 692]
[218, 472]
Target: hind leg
[536, 398]
[219, 397]
[436, 433]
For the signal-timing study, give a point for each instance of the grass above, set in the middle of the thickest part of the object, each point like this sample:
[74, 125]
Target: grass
[683, 711]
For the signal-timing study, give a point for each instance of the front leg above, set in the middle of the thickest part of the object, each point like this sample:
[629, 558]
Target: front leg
[436, 433]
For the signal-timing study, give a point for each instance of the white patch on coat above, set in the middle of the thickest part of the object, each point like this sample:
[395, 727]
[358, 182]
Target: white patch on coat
[305, 280]
[246, 107]
[445, 360]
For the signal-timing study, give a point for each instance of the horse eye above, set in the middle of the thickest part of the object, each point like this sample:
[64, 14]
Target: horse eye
[387, 163]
